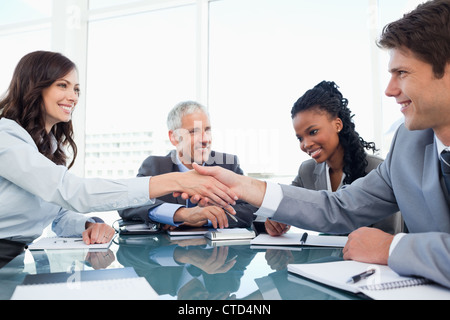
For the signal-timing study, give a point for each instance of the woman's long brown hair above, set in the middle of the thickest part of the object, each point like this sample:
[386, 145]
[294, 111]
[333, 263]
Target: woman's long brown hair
[23, 102]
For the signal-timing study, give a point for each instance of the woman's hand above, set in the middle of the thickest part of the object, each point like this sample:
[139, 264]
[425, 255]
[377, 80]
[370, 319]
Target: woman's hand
[275, 229]
[97, 233]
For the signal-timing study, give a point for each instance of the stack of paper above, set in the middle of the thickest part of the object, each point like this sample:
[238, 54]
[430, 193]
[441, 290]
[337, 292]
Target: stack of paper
[109, 284]
[230, 234]
[59, 243]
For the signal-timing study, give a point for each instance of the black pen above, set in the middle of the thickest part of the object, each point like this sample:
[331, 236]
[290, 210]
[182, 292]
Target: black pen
[303, 239]
[361, 276]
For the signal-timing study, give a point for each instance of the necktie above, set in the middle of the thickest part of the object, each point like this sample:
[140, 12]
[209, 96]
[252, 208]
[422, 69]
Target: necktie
[445, 167]
[189, 204]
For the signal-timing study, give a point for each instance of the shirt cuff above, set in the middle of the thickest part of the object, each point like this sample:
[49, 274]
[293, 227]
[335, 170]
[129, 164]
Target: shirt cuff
[139, 191]
[164, 213]
[271, 201]
[80, 225]
[395, 241]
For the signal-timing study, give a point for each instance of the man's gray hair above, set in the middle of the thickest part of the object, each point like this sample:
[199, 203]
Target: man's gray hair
[182, 109]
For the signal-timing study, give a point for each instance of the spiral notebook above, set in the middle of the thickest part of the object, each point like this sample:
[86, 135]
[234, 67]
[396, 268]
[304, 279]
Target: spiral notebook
[384, 284]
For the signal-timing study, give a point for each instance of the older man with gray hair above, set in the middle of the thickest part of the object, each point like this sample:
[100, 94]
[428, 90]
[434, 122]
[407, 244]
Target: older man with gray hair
[190, 133]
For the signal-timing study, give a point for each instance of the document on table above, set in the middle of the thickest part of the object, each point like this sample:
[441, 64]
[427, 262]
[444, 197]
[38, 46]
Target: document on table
[188, 231]
[109, 284]
[294, 239]
[230, 234]
[59, 243]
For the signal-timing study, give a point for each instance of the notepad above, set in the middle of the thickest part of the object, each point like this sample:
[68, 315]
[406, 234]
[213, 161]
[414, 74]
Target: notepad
[108, 284]
[230, 234]
[186, 231]
[293, 239]
[114, 289]
[60, 243]
[385, 284]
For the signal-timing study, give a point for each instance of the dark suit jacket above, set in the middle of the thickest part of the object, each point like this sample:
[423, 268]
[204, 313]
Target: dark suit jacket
[156, 165]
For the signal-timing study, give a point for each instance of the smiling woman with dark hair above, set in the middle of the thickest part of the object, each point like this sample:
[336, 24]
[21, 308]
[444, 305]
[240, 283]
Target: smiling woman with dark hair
[323, 125]
[37, 189]
[326, 99]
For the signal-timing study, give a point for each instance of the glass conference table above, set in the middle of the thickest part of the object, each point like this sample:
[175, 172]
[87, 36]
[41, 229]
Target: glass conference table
[183, 269]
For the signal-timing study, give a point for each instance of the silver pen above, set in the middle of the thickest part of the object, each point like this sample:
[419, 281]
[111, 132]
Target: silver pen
[230, 215]
[361, 276]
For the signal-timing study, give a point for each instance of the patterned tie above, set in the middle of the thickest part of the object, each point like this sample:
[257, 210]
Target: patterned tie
[445, 167]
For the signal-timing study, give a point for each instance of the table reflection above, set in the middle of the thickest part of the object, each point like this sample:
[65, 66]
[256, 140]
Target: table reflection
[188, 268]
[184, 269]
[9, 250]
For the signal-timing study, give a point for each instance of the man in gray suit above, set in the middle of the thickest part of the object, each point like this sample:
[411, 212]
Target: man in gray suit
[190, 132]
[312, 175]
[409, 180]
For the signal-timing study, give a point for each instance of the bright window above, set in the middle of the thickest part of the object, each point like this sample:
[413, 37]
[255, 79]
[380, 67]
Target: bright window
[139, 67]
[144, 56]
[264, 54]
[16, 11]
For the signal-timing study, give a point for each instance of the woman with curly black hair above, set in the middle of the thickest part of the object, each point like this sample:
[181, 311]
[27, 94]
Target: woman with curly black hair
[323, 124]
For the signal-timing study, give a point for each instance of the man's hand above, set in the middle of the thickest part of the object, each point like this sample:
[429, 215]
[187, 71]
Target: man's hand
[191, 184]
[274, 228]
[368, 245]
[97, 233]
[198, 216]
[246, 188]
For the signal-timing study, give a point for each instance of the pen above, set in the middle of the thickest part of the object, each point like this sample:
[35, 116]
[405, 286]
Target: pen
[303, 239]
[361, 276]
[230, 215]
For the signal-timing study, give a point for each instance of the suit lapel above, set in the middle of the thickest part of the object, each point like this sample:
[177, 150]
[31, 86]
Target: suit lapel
[320, 177]
[172, 161]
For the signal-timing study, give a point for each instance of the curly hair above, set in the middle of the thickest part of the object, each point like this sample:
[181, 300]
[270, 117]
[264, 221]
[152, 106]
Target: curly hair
[326, 97]
[24, 104]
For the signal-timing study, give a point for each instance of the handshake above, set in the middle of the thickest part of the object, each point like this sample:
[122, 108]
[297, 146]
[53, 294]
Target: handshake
[207, 186]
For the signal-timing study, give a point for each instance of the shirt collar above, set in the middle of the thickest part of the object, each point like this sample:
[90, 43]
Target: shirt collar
[327, 170]
[440, 146]
[181, 166]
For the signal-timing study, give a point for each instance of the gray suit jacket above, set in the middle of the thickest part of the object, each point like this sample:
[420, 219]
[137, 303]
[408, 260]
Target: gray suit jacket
[409, 179]
[156, 165]
[312, 175]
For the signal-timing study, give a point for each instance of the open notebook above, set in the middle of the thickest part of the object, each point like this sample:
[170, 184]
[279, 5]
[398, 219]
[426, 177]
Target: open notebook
[385, 284]
[294, 239]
